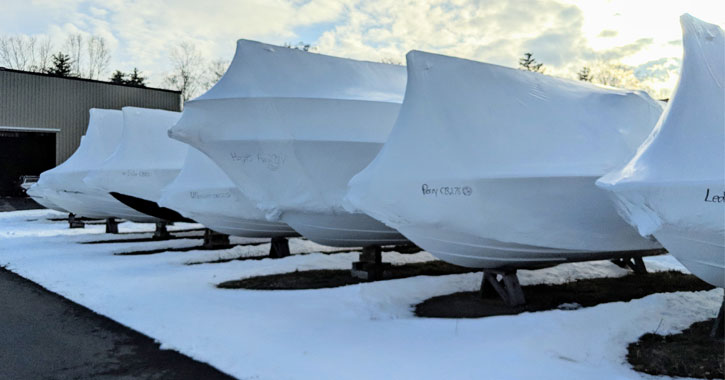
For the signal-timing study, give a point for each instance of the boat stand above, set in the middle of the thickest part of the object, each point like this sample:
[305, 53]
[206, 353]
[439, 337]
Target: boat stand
[636, 264]
[213, 239]
[505, 284]
[370, 265]
[718, 328]
[74, 222]
[279, 248]
[161, 232]
[111, 226]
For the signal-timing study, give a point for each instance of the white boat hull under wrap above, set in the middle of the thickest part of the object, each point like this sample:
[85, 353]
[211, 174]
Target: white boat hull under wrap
[492, 167]
[203, 193]
[65, 182]
[291, 128]
[38, 193]
[144, 161]
[674, 187]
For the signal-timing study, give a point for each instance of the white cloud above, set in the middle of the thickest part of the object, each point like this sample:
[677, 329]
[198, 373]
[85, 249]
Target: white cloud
[564, 34]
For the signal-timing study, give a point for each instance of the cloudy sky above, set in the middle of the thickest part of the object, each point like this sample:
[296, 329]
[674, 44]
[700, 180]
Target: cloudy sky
[563, 34]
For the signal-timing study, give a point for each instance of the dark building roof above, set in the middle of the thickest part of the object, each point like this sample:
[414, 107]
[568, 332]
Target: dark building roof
[85, 79]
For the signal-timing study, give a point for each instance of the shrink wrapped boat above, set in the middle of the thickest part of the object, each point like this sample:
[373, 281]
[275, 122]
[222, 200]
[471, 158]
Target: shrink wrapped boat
[202, 192]
[674, 187]
[290, 128]
[64, 183]
[493, 167]
[144, 161]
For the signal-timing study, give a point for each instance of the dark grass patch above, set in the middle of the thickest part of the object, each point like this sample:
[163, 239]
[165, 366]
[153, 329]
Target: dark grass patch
[185, 249]
[403, 249]
[265, 256]
[691, 353]
[586, 293]
[81, 219]
[178, 234]
[332, 278]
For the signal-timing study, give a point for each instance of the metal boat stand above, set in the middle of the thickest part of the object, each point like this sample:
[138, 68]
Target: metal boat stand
[111, 226]
[213, 239]
[161, 232]
[635, 263]
[718, 327]
[370, 265]
[74, 222]
[505, 284]
[279, 248]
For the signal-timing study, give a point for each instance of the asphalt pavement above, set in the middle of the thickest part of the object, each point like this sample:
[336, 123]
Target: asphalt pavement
[45, 336]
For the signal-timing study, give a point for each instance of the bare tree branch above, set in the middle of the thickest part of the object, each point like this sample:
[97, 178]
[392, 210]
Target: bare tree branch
[18, 52]
[74, 46]
[44, 55]
[98, 57]
[214, 72]
[186, 75]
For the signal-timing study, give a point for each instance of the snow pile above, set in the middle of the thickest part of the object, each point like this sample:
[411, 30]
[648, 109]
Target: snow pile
[328, 333]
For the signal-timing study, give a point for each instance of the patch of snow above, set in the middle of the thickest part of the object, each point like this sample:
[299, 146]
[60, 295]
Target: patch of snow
[327, 333]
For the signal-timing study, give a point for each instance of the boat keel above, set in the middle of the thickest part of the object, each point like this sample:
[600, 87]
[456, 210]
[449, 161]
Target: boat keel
[161, 233]
[213, 239]
[718, 327]
[74, 222]
[635, 263]
[505, 284]
[111, 226]
[370, 265]
[279, 248]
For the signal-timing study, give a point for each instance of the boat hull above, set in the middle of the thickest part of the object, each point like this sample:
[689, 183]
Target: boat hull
[72, 194]
[687, 218]
[515, 222]
[222, 210]
[39, 195]
[144, 183]
[150, 208]
[343, 230]
[293, 159]
[674, 187]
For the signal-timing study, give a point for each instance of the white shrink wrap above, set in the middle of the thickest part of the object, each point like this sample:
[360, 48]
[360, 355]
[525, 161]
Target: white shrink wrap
[203, 193]
[64, 183]
[144, 161]
[674, 187]
[494, 167]
[38, 193]
[290, 128]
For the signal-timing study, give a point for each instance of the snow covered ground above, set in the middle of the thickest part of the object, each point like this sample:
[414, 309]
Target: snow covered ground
[358, 331]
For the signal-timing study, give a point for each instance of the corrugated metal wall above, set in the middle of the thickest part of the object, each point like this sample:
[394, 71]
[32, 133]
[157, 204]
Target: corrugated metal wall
[40, 101]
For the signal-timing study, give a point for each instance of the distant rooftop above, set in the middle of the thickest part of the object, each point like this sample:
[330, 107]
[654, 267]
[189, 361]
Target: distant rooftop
[86, 80]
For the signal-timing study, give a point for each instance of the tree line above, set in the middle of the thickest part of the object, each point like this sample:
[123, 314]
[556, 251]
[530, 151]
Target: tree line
[612, 74]
[78, 57]
[89, 57]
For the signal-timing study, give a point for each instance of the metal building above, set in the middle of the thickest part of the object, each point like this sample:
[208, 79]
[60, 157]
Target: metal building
[37, 108]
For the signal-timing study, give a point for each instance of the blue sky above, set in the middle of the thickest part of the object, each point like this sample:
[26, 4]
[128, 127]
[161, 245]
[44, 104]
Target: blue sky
[564, 34]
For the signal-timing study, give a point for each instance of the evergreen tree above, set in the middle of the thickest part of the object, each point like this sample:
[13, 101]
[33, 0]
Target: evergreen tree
[135, 79]
[585, 74]
[61, 65]
[529, 63]
[118, 77]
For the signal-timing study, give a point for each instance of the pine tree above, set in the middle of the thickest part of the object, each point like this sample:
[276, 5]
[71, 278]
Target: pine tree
[61, 65]
[118, 77]
[529, 63]
[135, 79]
[585, 74]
